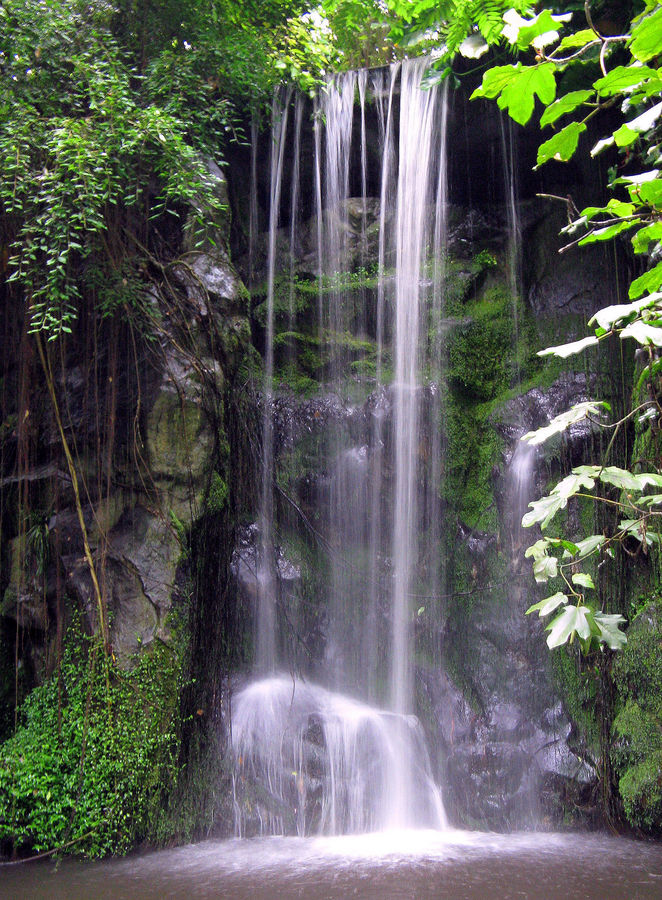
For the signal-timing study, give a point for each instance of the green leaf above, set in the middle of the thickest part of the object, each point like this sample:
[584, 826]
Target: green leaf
[621, 79]
[583, 580]
[643, 333]
[566, 104]
[548, 605]
[590, 544]
[645, 40]
[495, 80]
[650, 192]
[565, 350]
[625, 136]
[650, 281]
[559, 423]
[544, 568]
[578, 39]
[544, 510]
[562, 627]
[609, 630]
[645, 236]
[569, 547]
[636, 528]
[609, 316]
[608, 232]
[620, 478]
[518, 96]
[562, 146]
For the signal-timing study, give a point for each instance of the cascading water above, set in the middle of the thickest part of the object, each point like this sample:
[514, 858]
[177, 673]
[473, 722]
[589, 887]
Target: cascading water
[521, 471]
[323, 760]
[265, 636]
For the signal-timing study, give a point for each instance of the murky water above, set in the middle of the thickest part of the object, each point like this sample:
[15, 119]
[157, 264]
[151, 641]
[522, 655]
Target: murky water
[411, 865]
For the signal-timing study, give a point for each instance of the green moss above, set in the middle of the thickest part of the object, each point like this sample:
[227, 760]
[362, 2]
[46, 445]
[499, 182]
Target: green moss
[577, 685]
[217, 496]
[637, 747]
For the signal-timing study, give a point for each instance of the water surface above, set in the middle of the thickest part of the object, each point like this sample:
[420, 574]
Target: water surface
[398, 865]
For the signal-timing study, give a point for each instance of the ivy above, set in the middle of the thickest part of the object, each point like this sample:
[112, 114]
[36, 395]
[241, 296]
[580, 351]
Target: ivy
[69, 776]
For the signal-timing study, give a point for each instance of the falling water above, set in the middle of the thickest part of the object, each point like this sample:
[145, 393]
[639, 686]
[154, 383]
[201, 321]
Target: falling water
[322, 760]
[265, 638]
[327, 759]
[521, 471]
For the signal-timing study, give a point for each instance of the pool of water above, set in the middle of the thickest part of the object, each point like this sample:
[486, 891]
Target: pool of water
[416, 865]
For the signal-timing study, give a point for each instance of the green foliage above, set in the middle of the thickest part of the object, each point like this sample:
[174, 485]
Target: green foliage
[86, 770]
[636, 85]
[637, 745]
[87, 164]
[453, 23]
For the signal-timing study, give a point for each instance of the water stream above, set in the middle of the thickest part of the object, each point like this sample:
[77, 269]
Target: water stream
[335, 764]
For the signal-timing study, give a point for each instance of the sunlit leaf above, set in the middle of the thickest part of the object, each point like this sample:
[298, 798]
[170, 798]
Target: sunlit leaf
[621, 79]
[542, 511]
[565, 350]
[643, 333]
[589, 544]
[650, 281]
[583, 579]
[610, 315]
[537, 32]
[548, 605]
[539, 549]
[544, 568]
[562, 146]
[562, 627]
[602, 145]
[564, 105]
[474, 46]
[559, 423]
[645, 40]
[620, 478]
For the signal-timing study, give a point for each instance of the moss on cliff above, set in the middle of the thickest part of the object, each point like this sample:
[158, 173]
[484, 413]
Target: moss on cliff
[637, 748]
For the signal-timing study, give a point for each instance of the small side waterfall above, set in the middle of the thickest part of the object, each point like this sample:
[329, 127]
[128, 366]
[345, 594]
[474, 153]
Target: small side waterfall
[320, 758]
[265, 636]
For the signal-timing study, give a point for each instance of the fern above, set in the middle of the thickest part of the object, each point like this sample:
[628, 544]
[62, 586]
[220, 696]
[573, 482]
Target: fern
[462, 17]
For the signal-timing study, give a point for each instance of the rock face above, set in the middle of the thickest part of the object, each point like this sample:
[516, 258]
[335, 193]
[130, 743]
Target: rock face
[140, 501]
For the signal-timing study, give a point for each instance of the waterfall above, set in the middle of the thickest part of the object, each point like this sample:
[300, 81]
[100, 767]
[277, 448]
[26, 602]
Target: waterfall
[521, 470]
[265, 637]
[351, 755]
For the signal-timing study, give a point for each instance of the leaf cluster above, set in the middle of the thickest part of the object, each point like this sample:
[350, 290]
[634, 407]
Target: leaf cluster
[87, 770]
[628, 75]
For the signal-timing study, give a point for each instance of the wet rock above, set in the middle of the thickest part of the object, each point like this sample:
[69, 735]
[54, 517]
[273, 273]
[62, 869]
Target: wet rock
[568, 283]
[245, 566]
